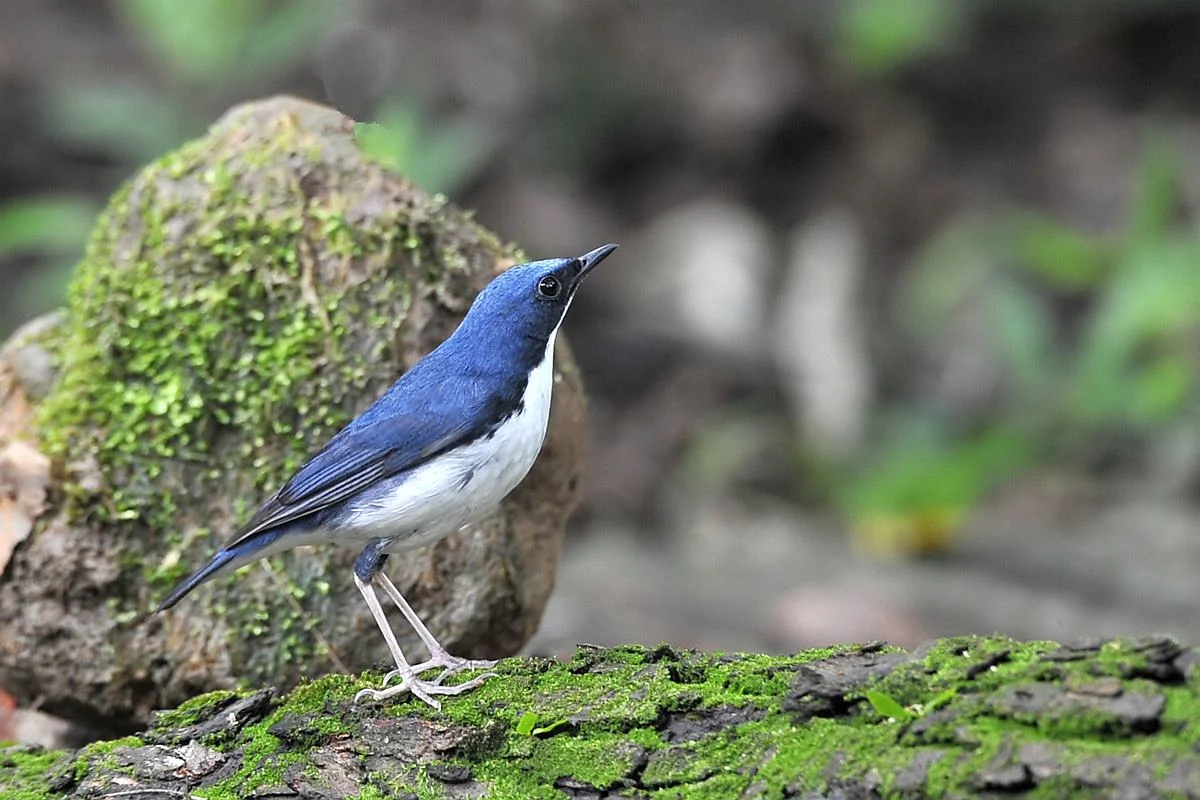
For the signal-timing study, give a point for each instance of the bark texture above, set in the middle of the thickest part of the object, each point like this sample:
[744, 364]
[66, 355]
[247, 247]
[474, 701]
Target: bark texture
[240, 300]
[965, 717]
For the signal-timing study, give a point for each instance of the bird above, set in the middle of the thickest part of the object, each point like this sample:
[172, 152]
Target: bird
[437, 451]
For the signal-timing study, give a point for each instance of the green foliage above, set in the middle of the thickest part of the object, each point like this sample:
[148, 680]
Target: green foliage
[55, 225]
[913, 492]
[206, 49]
[436, 158]
[212, 41]
[877, 36]
[1130, 364]
[127, 122]
[921, 466]
[1123, 363]
[52, 227]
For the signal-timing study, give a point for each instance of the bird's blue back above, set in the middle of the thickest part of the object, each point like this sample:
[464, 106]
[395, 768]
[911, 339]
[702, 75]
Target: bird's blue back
[459, 392]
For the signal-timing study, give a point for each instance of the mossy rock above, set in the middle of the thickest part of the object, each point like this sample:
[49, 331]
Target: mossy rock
[240, 300]
[962, 717]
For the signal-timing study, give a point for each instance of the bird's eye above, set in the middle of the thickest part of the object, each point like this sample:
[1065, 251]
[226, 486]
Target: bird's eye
[549, 286]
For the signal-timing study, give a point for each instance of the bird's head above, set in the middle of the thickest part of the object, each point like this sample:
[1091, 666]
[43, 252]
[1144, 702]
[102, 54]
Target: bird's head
[531, 299]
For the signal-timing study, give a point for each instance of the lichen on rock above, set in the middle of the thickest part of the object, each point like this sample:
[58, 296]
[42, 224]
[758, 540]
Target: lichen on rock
[240, 300]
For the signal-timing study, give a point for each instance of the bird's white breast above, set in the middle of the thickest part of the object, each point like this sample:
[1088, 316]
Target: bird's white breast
[463, 484]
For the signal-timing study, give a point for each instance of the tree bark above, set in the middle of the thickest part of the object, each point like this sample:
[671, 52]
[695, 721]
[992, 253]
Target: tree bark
[962, 717]
[240, 300]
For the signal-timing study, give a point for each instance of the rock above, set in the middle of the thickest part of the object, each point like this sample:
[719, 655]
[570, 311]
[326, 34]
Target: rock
[827, 688]
[240, 300]
[1127, 711]
[662, 721]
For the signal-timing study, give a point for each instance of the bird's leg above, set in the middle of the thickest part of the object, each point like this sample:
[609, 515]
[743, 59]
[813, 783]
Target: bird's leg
[366, 568]
[438, 656]
[408, 678]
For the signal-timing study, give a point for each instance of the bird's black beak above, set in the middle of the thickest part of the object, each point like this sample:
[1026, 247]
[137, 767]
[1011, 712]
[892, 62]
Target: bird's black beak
[588, 261]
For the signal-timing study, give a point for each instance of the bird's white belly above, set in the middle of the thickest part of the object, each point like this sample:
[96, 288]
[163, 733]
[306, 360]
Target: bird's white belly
[464, 484]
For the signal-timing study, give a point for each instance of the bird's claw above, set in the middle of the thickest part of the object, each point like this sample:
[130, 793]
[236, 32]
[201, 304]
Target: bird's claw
[451, 665]
[422, 689]
[416, 671]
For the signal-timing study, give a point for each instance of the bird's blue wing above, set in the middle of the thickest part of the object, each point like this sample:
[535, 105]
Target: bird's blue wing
[355, 459]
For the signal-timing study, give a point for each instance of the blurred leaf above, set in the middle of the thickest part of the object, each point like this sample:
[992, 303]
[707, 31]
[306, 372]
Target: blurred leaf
[1162, 389]
[878, 36]
[54, 227]
[910, 534]
[920, 470]
[200, 40]
[947, 272]
[1153, 300]
[127, 121]
[1024, 336]
[1064, 258]
[1130, 360]
[285, 37]
[45, 223]
[436, 159]
[721, 448]
[1157, 196]
[389, 144]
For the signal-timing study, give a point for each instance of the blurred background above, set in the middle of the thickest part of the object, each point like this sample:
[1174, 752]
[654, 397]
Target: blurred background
[904, 335]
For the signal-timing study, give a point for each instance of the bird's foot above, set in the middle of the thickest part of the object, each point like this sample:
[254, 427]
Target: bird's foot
[450, 665]
[421, 689]
[416, 669]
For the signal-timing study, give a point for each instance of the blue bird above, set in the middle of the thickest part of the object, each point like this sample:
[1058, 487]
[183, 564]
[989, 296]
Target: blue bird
[440, 449]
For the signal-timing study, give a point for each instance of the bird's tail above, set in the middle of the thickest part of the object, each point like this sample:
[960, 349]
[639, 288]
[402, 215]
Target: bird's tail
[229, 558]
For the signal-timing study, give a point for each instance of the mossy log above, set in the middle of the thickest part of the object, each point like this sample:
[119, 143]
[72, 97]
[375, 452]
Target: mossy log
[962, 717]
[240, 300]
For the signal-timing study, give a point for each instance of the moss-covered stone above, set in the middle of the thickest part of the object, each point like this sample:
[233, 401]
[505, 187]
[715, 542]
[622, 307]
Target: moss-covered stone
[665, 723]
[31, 773]
[158, 359]
[240, 300]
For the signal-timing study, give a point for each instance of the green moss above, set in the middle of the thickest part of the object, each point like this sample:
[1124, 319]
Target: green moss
[613, 703]
[262, 763]
[26, 772]
[193, 334]
[262, 766]
[600, 760]
[320, 694]
[195, 709]
[632, 720]
[104, 756]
